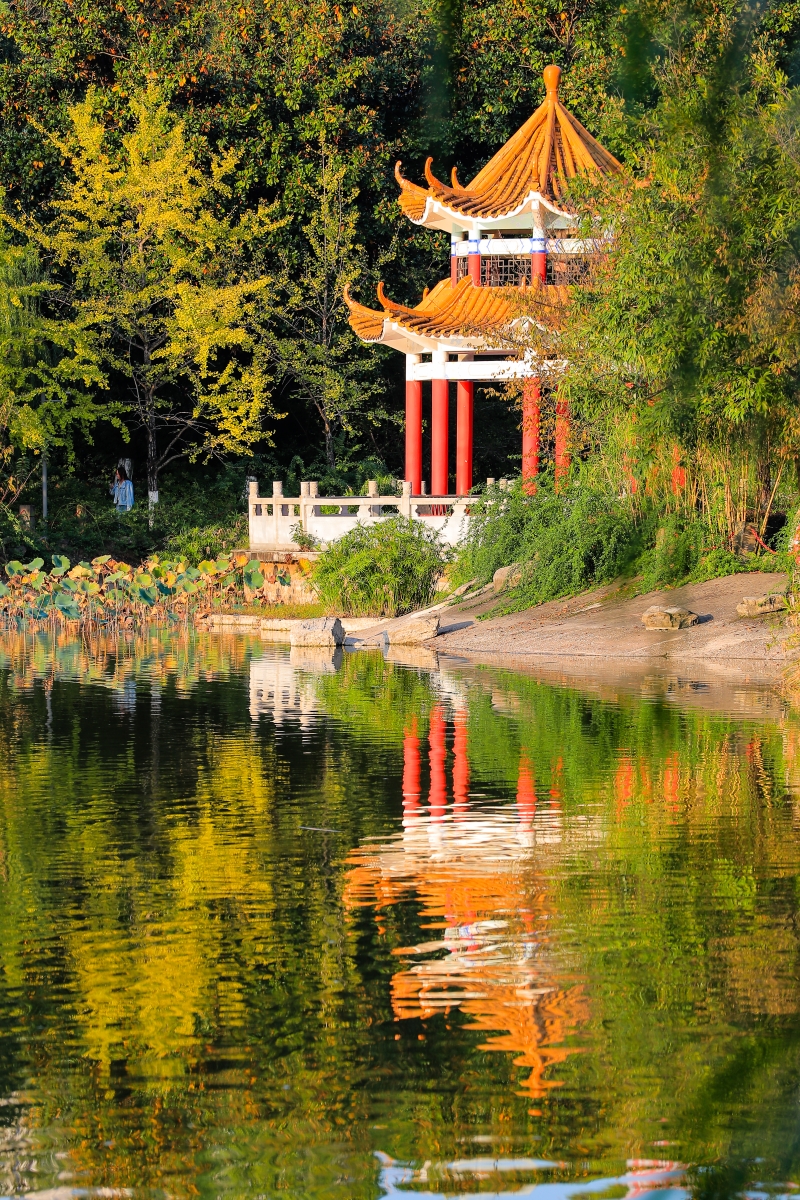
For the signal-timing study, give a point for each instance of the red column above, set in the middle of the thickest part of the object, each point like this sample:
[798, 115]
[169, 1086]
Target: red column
[474, 261]
[531, 414]
[465, 393]
[562, 440]
[460, 765]
[539, 262]
[414, 435]
[436, 757]
[439, 434]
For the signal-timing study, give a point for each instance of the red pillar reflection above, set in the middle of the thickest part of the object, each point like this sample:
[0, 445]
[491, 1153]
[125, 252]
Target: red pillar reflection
[460, 766]
[411, 771]
[526, 792]
[437, 757]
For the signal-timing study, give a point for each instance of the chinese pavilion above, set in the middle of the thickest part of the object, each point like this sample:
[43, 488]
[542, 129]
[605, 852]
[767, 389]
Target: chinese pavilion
[510, 227]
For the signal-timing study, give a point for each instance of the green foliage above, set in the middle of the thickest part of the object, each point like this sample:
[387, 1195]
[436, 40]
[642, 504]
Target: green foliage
[383, 569]
[571, 541]
[564, 542]
[151, 277]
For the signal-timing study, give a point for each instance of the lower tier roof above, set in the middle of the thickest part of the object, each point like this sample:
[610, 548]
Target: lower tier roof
[462, 316]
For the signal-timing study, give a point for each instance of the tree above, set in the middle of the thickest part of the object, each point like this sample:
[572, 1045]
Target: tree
[48, 365]
[317, 350]
[154, 274]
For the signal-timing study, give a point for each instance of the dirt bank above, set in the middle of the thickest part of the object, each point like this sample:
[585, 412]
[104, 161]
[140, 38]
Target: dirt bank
[599, 625]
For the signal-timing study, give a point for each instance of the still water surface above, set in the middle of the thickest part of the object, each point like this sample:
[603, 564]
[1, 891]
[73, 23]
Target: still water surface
[292, 927]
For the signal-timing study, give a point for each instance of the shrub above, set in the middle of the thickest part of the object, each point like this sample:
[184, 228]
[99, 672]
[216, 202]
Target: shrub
[565, 542]
[383, 569]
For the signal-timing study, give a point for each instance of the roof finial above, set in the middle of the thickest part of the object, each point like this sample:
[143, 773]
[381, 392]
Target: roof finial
[552, 78]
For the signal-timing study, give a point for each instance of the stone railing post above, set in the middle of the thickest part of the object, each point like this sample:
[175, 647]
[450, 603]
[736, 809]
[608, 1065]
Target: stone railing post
[404, 507]
[277, 502]
[305, 507]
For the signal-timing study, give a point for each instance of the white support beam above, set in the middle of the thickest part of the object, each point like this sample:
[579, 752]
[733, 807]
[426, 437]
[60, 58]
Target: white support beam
[479, 370]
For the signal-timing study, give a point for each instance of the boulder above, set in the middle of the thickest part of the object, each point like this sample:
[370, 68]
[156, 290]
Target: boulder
[413, 632]
[507, 577]
[760, 606]
[673, 617]
[324, 631]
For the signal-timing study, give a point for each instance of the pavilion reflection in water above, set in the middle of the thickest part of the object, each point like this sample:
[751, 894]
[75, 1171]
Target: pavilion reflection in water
[476, 870]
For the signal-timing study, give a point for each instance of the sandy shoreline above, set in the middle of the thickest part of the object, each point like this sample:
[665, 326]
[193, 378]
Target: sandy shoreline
[600, 627]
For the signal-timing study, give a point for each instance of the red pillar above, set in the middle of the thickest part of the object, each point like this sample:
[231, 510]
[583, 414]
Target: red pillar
[436, 757]
[531, 414]
[465, 393]
[414, 435]
[539, 262]
[562, 440]
[460, 765]
[439, 434]
[474, 261]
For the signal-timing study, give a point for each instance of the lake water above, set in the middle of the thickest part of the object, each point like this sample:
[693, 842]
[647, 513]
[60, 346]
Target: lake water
[299, 927]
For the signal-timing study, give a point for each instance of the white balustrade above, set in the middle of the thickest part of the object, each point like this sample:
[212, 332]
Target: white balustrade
[275, 520]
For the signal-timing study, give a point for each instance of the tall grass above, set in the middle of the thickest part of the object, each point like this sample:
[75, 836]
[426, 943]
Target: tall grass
[563, 542]
[585, 536]
[381, 570]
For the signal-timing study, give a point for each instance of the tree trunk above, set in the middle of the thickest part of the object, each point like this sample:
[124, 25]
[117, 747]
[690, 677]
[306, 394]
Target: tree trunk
[152, 461]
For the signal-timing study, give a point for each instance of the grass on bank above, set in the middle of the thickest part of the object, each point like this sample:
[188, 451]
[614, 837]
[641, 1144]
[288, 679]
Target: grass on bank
[569, 542]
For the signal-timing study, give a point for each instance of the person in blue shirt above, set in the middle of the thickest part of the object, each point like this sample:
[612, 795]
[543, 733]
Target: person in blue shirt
[122, 491]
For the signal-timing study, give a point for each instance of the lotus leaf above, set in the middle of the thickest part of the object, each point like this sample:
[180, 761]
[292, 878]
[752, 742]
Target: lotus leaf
[35, 565]
[14, 567]
[193, 573]
[69, 585]
[88, 587]
[252, 575]
[4, 591]
[60, 565]
[81, 571]
[101, 560]
[143, 579]
[67, 606]
[148, 595]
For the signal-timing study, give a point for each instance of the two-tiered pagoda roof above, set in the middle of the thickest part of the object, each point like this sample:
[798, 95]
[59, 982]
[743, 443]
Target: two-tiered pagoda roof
[527, 178]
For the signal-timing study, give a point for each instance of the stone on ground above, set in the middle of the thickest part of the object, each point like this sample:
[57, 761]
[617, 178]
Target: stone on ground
[760, 606]
[673, 617]
[413, 632]
[507, 577]
[323, 631]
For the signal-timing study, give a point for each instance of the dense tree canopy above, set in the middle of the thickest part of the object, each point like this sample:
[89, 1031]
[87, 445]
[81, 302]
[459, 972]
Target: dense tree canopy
[312, 105]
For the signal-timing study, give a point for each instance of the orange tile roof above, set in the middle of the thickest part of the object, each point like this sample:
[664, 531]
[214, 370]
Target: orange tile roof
[551, 148]
[446, 311]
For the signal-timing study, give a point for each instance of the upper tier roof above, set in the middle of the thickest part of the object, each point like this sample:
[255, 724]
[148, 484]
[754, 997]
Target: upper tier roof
[460, 313]
[535, 164]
